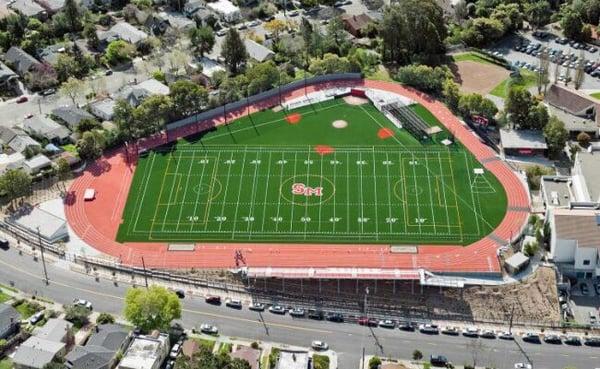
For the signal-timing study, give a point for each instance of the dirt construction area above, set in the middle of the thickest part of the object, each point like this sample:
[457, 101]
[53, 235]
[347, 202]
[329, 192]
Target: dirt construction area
[533, 300]
[478, 77]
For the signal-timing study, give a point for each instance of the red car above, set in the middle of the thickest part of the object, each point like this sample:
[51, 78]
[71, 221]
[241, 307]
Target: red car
[215, 300]
[22, 99]
[369, 322]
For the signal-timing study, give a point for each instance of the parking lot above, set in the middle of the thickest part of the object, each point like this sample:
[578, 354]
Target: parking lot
[507, 49]
[584, 303]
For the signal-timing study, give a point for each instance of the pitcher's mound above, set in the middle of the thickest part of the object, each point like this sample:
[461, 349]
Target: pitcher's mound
[355, 100]
[339, 124]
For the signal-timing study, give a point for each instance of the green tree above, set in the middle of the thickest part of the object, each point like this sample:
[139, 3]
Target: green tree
[15, 183]
[203, 39]
[509, 15]
[152, 114]
[332, 63]
[87, 124]
[262, 77]
[124, 119]
[531, 248]
[583, 139]
[77, 314]
[72, 15]
[187, 98]
[89, 32]
[105, 318]
[234, 51]
[556, 136]
[336, 39]
[152, 308]
[374, 362]
[482, 31]
[475, 104]
[423, 77]
[518, 103]
[90, 145]
[571, 24]
[72, 88]
[63, 171]
[538, 13]
[413, 31]
[538, 116]
[451, 93]
[118, 52]
[417, 355]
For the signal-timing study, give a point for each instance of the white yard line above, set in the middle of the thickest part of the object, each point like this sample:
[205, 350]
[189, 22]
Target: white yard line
[389, 191]
[253, 193]
[262, 226]
[375, 194]
[444, 192]
[141, 202]
[306, 197]
[431, 198]
[235, 217]
[477, 215]
[187, 182]
[291, 204]
[175, 183]
[210, 192]
[224, 194]
[416, 193]
[279, 197]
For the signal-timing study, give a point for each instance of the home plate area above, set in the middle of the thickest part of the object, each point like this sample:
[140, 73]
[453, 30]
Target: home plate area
[355, 194]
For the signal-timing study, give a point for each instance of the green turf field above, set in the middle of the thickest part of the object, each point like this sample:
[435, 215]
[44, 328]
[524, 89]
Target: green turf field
[260, 179]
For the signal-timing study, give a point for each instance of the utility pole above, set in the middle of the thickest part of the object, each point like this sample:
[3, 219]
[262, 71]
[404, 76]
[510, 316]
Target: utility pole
[43, 258]
[145, 274]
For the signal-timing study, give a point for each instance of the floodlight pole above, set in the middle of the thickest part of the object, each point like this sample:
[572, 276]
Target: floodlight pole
[43, 258]
[145, 274]
[248, 109]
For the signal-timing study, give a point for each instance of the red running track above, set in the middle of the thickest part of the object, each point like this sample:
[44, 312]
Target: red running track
[96, 222]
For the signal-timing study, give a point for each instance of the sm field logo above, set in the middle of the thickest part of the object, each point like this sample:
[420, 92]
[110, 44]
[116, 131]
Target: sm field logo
[304, 190]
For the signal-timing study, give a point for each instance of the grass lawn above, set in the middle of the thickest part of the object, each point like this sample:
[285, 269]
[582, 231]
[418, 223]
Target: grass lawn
[26, 309]
[472, 56]
[528, 79]
[6, 363]
[273, 358]
[381, 74]
[4, 297]
[70, 148]
[271, 178]
[320, 361]
[596, 95]
[225, 348]
[208, 344]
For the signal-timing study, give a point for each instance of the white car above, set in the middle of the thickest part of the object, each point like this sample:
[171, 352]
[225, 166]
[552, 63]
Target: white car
[209, 329]
[277, 309]
[175, 351]
[387, 324]
[506, 336]
[319, 345]
[233, 303]
[257, 306]
[85, 303]
[470, 332]
[523, 366]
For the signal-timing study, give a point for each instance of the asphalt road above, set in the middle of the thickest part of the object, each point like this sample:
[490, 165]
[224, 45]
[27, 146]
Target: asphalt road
[346, 339]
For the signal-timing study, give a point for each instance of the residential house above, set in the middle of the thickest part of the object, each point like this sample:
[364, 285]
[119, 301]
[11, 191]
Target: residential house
[11, 161]
[586, 177]
[36, 164]
[575, 241]
[226, 11]
[29, 8]
[210, 67]
[576, 110]
[101, 350]
[8, 77]
[356, 25]
[43, 127]
[36, 353]
[51, 53]
[252, 356]
[160, 22]
[136, 93]
[257, 51]
[71, 115]
[556, 191]
[103, 109]
[523, 142]
[9, 321]
[57, 330]
[51, 229]
[146, 352]
[22, 142]
[122, 31]
[21, 61]
[7, 134]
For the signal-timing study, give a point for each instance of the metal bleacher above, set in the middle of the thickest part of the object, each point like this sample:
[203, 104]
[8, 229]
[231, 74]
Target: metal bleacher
[410, 121]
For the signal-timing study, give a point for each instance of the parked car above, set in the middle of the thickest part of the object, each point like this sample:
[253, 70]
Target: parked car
[36, 318]
[3, 243]
[406, 326]
[523, 366]
[254, 23]
[438, 360]
[180, 293]
[592, 341]
[277, 309]
[451, 331]
[429, 329]
[214, 300]
[319, 346]
[22, 99]
[387, 323]
[506, 336]
[85, 303]
[369, 322]
[48, 92]
[531, 337]
[233, 303]
[297, 312]
[584, 289]
[572, 341]
[553, 339]
[175, 351]
[335, 317]
[471, 332]
[108, 72]
[222, 32]
[316, 314]
[487, 334]
[257, 306]
[208, 329]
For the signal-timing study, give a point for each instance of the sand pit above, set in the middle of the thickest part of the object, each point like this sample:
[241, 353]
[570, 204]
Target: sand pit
[355, 100]
[339, 124]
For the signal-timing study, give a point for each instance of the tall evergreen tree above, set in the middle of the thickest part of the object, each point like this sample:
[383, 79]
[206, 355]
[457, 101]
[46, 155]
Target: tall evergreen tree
[234, 51]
